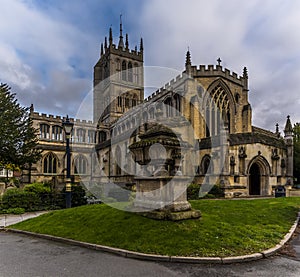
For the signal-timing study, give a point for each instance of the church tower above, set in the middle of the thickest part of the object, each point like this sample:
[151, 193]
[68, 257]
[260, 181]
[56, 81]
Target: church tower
[118, 79]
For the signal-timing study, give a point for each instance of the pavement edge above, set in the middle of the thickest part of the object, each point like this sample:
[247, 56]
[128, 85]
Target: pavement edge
[165, 258]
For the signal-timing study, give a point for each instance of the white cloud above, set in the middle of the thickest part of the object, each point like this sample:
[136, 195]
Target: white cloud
[49, 59]
[261, 35]
[12, 69]
[37, 57]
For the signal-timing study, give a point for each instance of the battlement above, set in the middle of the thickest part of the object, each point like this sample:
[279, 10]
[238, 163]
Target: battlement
[114, 48]
[217, 70]
[123, 52]
[202, 71]
[167, 87]
[58, 119]
[122, 48]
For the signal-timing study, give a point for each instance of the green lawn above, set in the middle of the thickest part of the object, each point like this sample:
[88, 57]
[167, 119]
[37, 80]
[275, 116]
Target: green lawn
[226, 228]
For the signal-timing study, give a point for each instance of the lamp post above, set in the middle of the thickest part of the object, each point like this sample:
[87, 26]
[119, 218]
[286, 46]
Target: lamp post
[68, 127]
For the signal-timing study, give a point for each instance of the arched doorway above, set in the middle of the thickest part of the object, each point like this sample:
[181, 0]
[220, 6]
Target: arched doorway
[254, 180]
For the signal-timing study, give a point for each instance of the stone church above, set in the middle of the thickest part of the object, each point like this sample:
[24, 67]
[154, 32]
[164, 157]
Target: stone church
[206, 107]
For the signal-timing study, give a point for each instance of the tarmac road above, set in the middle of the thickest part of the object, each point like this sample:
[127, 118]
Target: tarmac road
[22, 255]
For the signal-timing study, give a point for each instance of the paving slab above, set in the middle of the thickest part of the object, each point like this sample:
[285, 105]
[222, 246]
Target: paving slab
[10, 219]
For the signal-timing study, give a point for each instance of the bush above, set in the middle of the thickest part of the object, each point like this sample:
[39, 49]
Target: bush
[193, 192]
[78, 196]
[13, 211]
[38, 188]
[217, 191]
[43, 191]
[17, 198]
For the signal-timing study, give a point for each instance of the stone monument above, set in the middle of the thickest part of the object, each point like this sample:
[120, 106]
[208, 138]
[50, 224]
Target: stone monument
[161, 185]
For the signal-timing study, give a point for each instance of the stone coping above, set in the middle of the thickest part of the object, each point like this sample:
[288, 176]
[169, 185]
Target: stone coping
[165, 258]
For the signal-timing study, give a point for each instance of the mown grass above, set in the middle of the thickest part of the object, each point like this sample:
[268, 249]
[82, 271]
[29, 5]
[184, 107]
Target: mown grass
[227, 227]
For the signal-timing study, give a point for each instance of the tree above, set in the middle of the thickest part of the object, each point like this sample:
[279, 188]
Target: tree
[297, 151]
[18, 137]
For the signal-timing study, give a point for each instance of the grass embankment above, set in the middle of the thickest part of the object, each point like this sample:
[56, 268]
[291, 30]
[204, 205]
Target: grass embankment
[227, 227]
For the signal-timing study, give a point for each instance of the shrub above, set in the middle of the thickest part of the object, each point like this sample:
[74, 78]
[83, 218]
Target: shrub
[217, 191]
[193, 192]
[38, 188]
[78, 196]
[13, 211]
[17, 198]
[43, 191]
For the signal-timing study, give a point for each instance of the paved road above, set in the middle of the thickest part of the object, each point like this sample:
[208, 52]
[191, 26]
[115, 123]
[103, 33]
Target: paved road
[22, 255]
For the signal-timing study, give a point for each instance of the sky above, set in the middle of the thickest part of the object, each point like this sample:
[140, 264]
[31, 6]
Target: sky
[48, 47]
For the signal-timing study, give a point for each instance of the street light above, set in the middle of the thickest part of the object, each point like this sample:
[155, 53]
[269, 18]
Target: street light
[68, 127]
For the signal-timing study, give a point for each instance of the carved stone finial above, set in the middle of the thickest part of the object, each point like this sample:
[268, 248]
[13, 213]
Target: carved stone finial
[219, 61]
[277, 130]
[188, 58]
[110, 36]
[126, 42]
[141, 45]
[101, 49]
[288, 130]
[121, 43]
[245, 73]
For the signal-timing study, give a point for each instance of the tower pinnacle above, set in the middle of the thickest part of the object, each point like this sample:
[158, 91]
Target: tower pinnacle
[126, 42]
[121, 42]
[188, 58]
[101, 49]
[110, 36]
[288, 130]
[141, 45]
[245, 73]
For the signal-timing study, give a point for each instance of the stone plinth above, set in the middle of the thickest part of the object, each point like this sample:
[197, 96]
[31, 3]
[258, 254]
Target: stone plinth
[163, 197]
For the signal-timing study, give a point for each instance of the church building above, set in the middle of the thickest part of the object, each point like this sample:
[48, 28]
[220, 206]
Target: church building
[206, 107]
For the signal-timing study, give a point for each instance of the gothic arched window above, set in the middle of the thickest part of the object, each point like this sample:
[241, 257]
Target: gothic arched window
[81, 135]
[102, 136]
[177, 99]
[130, 73]
[127, 102]
[57, 133]
[136, 73]
[118, 68]
[50, 164]
[134, 100]
[91, 136]
[217, 111]
[80, 165]
[168, 106]
[124, 71]
[119, 101]
[44, 131]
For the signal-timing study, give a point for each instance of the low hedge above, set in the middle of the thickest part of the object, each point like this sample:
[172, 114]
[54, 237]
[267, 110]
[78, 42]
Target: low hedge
[37, 197]
[17, 198]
